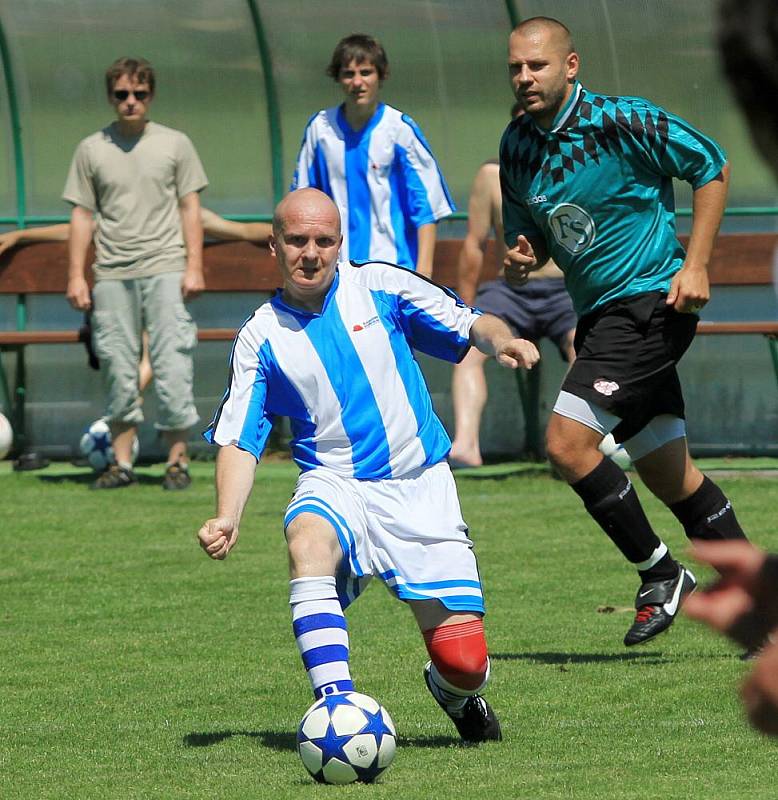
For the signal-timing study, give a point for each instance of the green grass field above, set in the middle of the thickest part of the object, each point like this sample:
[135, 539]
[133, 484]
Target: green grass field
[133, 667]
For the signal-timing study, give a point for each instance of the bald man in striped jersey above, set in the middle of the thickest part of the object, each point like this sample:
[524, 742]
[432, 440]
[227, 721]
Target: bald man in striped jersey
[333, 351]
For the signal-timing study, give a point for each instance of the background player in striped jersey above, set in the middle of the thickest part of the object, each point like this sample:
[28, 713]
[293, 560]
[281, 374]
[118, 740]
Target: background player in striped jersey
[587, 180]
[333, 351]
[375, 163]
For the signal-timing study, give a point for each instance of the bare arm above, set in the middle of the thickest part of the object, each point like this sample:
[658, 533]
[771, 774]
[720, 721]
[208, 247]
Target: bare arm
[494, 338]
[427, 235]
[43, 233]
[193, 282]
[80, 236]
[690, 289]
[218, 227]
[235, 470]
[479, 226]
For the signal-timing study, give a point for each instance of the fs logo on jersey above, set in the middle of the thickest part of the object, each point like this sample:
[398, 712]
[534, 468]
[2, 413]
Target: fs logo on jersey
[572, 227]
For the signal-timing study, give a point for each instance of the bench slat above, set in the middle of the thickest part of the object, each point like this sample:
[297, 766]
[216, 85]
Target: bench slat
[738, 259]
[20, 338]
[765, 328]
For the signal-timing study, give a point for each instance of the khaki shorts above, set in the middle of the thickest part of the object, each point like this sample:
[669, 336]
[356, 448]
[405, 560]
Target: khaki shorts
[122, 310]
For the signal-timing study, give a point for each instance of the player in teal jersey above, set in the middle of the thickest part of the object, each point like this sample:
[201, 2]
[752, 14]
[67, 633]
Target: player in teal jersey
[587, 180]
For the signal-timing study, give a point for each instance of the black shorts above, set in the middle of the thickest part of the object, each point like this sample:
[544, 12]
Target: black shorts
[541, 307]
[626, 356]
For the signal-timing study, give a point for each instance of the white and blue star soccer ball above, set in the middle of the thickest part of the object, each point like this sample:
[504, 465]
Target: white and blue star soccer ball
[345, 738]
[95, 445]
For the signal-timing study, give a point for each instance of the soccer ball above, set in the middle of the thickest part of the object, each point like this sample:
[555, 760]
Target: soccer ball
[95, 445]
[345, 738]
[6, 436]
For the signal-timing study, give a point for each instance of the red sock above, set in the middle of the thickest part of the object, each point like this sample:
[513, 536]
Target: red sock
[459, 653]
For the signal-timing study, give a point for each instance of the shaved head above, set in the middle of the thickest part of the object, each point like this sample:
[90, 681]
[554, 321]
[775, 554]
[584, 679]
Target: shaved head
[305, 203]
[306, 240]
[551, 30]
[542, 65]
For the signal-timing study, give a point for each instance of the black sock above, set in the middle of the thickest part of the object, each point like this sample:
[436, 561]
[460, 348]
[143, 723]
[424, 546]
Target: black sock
[707, 514]
[611, 500]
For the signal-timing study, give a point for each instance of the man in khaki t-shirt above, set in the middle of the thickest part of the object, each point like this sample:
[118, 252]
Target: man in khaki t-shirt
[139, 182]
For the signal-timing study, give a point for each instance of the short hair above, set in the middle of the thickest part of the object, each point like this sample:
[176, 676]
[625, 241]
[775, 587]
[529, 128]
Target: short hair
[137, 68]
[547, 22]
[358, 47]
[748, 43]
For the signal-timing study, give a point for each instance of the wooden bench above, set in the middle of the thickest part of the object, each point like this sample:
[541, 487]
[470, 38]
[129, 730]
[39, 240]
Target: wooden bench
[41, 268]
[739, 259]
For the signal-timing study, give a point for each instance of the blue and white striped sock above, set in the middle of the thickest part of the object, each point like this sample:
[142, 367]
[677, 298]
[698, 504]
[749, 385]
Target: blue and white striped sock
[320, 629]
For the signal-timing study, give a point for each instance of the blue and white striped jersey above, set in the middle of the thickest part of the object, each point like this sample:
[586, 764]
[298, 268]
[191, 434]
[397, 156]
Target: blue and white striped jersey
[346, 377]
[383, 179]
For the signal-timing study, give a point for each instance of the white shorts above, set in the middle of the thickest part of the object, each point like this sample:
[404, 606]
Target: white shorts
[409, 531]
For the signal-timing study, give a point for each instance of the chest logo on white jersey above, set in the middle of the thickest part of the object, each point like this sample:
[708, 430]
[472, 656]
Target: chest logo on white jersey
[368, 324]
[572, 227]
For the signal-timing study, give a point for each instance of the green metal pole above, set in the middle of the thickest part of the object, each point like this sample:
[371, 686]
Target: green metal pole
[21, 213]
[273, 108]
[16, 129]
[513, 14]
[528, 384]
[457, 216]
[773, 342]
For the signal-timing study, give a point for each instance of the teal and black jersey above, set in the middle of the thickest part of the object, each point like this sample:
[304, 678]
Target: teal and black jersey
[597, 187]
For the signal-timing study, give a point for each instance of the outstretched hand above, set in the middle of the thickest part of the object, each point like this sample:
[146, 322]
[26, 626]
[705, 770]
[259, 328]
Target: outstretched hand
[218, 536]
[517, 353]
[519, 261]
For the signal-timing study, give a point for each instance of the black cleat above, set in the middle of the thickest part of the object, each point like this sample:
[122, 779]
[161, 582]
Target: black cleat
[657, 603]
[477, 721]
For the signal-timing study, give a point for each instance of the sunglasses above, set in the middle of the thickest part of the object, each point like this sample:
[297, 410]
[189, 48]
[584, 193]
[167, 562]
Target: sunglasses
[123, 94]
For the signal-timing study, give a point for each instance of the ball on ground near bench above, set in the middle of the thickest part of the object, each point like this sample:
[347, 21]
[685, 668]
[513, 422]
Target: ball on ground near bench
[6, 436]
[96, 446]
